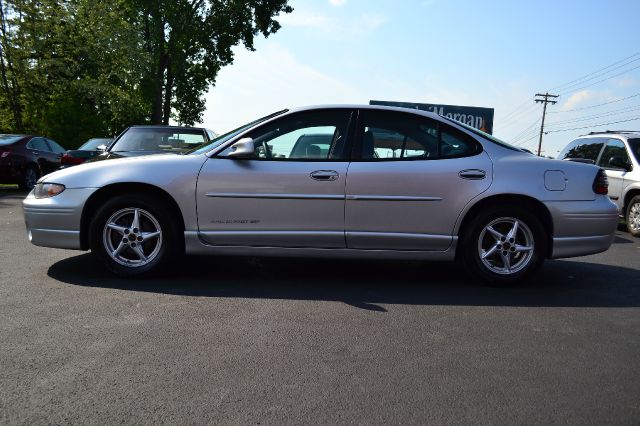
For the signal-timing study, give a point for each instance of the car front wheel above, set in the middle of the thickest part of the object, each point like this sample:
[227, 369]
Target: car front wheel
[632, 216]
[504, 245]
[133, 235]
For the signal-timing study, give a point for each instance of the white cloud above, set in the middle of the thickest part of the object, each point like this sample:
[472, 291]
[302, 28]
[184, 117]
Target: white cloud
[333, 26]
[259, 83]
[337, 2]
[585, 97]
[626, 81]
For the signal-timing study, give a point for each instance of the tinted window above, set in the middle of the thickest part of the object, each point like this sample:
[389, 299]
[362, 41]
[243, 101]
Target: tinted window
[614, 148]
[9, 139]
[312, 135]
[38, 144]
[93, 144]
[587, 149]
[388, 135]
[634, 145]
[55, 147]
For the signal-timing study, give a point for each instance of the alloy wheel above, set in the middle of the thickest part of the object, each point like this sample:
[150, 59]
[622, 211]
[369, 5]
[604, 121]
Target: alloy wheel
[506, 245]
[633, 220]
[132, 237]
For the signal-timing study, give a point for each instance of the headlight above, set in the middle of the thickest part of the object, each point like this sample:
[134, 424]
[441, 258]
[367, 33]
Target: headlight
[46, 190]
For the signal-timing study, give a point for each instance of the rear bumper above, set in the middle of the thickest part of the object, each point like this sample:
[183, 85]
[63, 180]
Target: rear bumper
[55, 222]
[582, 227]
[580, 246]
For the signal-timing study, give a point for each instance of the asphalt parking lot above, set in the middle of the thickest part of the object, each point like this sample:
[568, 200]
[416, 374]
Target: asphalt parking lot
[273, 341]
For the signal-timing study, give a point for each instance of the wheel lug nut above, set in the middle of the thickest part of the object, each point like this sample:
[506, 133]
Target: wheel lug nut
[503, 239]
[139, 238]
[511, 240]
[135, 230]
[504, 253]
[133, 244]
[126, 231]
[124, 240]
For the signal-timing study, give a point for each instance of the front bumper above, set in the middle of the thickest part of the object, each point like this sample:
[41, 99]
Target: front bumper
[55, 222]
[582, 227]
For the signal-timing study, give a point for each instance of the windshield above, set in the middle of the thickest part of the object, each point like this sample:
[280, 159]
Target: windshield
[634, 144]
[229, 135]
[93, 144]
[156, 139]
[9, 139]
[486, 135]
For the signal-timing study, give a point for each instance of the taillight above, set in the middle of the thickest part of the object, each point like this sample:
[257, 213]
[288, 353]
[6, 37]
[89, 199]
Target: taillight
[68, 159]
[5, 154]
[601, 183]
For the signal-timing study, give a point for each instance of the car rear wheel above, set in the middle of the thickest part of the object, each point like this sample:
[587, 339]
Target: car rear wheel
[504, 245]
[29, 179]
[632, 216]
[133, 235]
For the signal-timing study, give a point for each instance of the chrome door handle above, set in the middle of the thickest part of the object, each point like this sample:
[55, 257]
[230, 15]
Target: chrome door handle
[325, 175]
[472, 174]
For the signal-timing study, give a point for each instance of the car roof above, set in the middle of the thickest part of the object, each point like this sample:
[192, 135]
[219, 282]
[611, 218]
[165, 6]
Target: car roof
[625, 134]
[365, 106]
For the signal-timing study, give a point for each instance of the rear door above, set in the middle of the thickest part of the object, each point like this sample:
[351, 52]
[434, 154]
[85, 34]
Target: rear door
[289, 194]
[410, 178]
[41, 154]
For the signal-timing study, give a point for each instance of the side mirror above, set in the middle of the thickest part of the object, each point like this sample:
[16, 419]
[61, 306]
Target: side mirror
[619, 162]
[244, 148]
[101, 148]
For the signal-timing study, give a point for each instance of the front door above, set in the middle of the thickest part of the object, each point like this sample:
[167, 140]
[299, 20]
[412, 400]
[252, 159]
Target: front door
[289, 194]
[410, 179]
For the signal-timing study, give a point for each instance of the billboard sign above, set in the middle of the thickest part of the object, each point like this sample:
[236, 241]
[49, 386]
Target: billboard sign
[480, 118]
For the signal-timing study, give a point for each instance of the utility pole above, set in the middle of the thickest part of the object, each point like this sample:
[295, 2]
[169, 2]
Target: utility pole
[544, 101]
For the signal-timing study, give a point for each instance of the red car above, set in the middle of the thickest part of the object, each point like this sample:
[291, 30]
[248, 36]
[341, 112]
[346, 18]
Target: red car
[23, 159]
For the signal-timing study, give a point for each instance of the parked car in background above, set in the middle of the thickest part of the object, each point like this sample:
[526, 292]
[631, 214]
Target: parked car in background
[147, 140]
[419, 186]
[618, 153]
[88, 150]
[24, 158]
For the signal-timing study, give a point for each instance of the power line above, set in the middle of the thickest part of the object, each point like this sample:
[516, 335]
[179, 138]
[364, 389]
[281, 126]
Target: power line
[600, 81]
[594, 125]
[525, 131]
[598, 74]
[594, 106]
[595, 116]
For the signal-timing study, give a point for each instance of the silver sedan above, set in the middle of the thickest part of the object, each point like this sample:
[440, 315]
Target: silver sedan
[336, 181]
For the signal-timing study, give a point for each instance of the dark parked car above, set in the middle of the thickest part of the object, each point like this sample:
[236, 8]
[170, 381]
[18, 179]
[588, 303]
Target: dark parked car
[146, 140]
[89, 149]
[23, 159]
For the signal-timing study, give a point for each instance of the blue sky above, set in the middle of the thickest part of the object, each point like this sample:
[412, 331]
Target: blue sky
[494, 54]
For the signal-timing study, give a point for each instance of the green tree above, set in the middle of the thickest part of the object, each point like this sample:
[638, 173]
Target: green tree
[188, 42]
[74, 69]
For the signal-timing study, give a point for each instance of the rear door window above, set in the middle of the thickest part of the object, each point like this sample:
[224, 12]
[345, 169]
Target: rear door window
[615, 148]
[392, 135]
[55, 147]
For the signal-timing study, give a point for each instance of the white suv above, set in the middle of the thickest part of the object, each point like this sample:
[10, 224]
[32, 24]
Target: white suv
[618, 153]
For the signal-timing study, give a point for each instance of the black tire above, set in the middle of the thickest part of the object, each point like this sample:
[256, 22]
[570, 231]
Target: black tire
[521, 263]
[632, 216]
[29, 178]
[127, 262]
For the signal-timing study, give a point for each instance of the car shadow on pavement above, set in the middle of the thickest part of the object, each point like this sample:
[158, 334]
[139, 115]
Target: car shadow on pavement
[366, 284]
